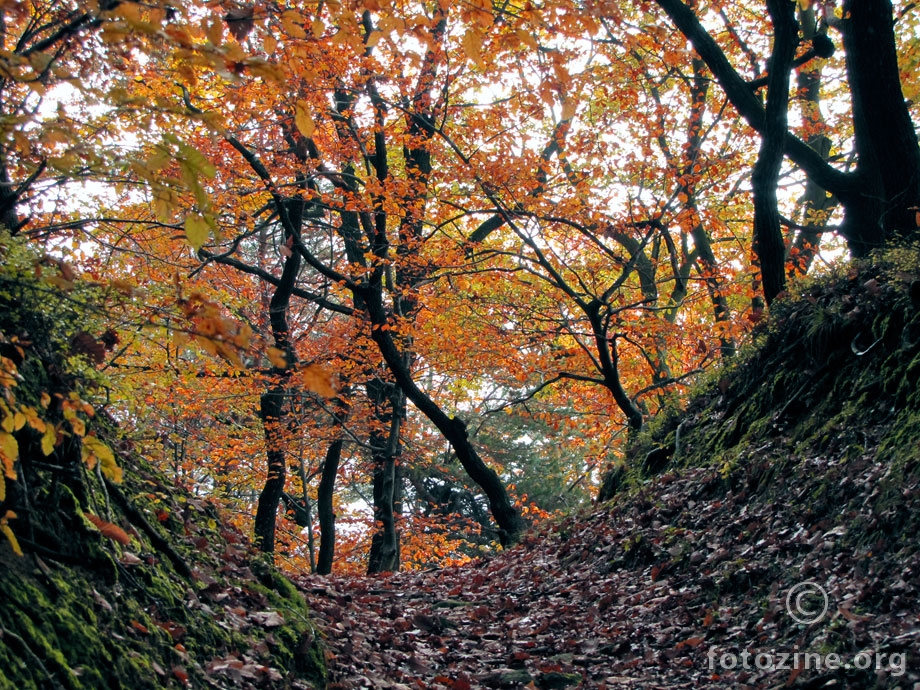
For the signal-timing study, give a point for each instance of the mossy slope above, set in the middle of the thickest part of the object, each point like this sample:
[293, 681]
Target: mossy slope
[192, 608]
[798, 462]
[123, 580]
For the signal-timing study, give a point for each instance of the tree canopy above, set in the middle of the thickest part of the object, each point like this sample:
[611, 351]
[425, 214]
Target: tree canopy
[397, 277]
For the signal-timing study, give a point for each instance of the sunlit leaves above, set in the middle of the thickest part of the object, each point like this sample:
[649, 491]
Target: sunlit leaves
[472, 46]
[571, 136]
[96, 452]
[293, 23]
[319, 379]
[303, 119]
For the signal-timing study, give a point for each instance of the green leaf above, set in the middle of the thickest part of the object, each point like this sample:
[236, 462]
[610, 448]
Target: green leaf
[197, 230]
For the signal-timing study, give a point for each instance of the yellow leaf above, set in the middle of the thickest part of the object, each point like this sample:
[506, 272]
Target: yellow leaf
[303, 120]
[93, 445]
[94, 451]
[49, 438]
[276, 357]
[317, 27]
[9, 452]
[228, 353]
[266, 70]
[78, 426]
[2, 488]
[472, 46]
[180, 339]
[5, 528]
[526, 38]
[125, 287]
[568, 109]
[319, 379]
[197, 230]
[31, 415]
[269, 44]
[292, 22]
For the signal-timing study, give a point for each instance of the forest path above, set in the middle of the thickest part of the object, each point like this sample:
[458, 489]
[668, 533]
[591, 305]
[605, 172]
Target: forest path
[558, 611]
[652, 592]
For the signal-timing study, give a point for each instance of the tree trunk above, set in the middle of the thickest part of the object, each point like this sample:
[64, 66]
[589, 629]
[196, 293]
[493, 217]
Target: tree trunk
[510, 523]
[607, 356]
[272, 410]
[272, 416]
[768, 236]
[390, 404]
[324, 507]
[888, 168]
[880, 198]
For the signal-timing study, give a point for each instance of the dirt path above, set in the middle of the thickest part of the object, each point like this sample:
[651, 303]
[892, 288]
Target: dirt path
[649, 595]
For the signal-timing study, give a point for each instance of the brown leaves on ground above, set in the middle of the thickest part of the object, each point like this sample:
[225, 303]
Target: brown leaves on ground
[648, 594]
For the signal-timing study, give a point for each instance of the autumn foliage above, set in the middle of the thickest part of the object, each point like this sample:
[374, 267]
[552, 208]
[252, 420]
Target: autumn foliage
[414, 270]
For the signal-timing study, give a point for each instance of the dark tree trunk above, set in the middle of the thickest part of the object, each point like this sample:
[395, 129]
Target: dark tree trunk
[324, 508]
[384, 554]
[390, 404]
[880, 198]
[769, 247]
[607, 356]
[272, 410]
[888, 155]
[510, 523]
[272, 416]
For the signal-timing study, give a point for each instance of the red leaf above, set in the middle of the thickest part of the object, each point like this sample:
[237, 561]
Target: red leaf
[139, 627]
[462, 683]
[181, 674]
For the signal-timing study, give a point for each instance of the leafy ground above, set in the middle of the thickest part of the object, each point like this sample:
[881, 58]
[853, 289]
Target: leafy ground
[798, 465]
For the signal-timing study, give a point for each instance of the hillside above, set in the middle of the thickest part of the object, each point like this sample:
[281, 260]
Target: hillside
[797, 464]
[173, 599]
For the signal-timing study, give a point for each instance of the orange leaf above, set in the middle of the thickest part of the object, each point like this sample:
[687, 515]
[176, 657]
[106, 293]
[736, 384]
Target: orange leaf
[181, 674]
[276, 357]
[140, 627]
[303, 119]
[109, 529]
[319, 379]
